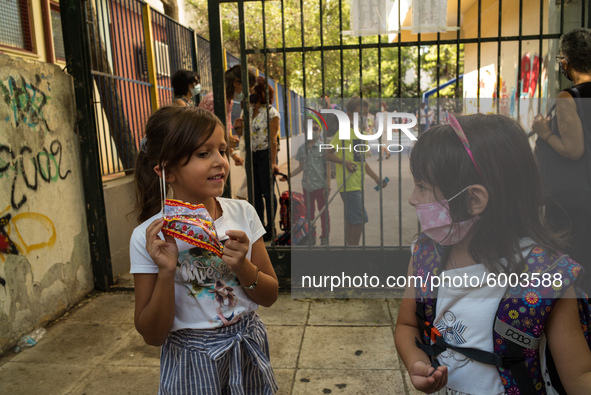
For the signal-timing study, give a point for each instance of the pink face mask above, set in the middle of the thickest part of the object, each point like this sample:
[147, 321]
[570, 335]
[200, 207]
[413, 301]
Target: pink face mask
[437, 223]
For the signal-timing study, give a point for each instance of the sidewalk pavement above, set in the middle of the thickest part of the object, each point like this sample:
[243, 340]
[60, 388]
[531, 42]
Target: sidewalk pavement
[317, 347]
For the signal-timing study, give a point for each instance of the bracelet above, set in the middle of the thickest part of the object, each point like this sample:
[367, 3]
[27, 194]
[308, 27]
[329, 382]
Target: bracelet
[255, 281]
[548, 138]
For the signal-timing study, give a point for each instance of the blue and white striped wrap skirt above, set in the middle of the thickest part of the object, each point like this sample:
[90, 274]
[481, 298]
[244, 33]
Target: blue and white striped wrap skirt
[229, 360]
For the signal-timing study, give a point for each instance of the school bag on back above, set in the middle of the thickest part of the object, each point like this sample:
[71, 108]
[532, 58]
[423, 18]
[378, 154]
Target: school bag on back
[516, 343]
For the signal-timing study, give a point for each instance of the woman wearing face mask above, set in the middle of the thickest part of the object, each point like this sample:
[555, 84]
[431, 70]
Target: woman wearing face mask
[263, 135]
[186, 84]
[563, 149]
[233, 79]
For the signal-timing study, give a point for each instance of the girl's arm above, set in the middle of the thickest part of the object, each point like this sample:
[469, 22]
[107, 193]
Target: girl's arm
[267, 287]
[570, 140]
[422, 375]
[154, 293]
[568, 345]
[297, 170]
[374, 176]
[274, 129]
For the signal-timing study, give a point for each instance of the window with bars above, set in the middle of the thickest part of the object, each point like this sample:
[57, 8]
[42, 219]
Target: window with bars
[15, 28]
[56, 28]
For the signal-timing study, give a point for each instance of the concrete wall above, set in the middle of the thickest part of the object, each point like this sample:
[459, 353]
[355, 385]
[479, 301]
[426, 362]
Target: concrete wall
[119, 202]
[45, 262]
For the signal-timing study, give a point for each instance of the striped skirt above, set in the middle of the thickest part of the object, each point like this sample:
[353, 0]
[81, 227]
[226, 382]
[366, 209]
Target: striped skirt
[229, 360]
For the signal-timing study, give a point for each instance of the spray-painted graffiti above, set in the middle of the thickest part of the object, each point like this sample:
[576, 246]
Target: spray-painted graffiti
[6, 244]
[46, 164]
[26, 101]
[40, 232]
[23, 233]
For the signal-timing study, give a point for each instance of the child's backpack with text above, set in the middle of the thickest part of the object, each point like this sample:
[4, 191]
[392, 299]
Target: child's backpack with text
[516, 342]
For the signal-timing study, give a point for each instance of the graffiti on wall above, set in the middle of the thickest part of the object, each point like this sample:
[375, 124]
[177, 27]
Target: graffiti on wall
[13, 240]
[28, 169]
[26, 102]
[23, 169]
[23, 233]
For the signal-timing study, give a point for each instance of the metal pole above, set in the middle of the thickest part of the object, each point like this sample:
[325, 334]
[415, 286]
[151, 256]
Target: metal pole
[78, 61]
[216, 48]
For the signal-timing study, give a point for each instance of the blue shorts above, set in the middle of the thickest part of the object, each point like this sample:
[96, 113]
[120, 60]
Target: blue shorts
[355, 213]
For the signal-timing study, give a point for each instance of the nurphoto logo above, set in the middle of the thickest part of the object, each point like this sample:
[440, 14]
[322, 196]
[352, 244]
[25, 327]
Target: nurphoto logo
[386, 121]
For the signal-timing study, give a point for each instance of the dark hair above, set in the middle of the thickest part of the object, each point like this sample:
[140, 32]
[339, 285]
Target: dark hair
[172, 135]
[235, 73]
[511, 176]
[355, 102]
[181, 80]
[576, 47]
[260, 88]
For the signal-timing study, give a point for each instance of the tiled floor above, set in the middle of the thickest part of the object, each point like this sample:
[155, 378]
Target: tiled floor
[317, 347]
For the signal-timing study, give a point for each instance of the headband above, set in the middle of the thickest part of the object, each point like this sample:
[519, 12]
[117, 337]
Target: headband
[455, 125]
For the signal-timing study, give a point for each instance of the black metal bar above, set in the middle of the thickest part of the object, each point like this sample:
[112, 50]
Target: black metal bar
[121, 70]
[137, 106]
[271, 220]
[362, 155]
[340, 47]
[380, 157]
[540, 49]
[458, 42]
[399, 95]
[321, 45]
[520, 47]
[78, 61]
[499, 30]
[402, 44]
[216, 49]
[478, 52]
[245, 104]
[303, 50]
[285, 99]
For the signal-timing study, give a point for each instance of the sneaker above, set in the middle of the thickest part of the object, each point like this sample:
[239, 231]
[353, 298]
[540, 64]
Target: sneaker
[324, 241]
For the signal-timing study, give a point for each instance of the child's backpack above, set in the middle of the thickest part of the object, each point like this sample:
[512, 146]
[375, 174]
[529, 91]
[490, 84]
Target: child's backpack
[288, 205]
[516, 346]
[293, 205]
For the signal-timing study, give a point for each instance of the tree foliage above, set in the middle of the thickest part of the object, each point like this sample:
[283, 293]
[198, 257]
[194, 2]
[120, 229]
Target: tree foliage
[370, 72]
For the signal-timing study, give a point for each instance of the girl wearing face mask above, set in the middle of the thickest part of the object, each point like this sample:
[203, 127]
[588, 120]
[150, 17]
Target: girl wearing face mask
[478, 198]
[186, 84]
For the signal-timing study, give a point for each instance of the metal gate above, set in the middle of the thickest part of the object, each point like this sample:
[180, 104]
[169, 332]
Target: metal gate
[487, 56]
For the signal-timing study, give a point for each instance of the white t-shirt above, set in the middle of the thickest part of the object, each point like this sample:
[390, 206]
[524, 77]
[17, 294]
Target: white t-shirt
[465, 318]
[207, 293]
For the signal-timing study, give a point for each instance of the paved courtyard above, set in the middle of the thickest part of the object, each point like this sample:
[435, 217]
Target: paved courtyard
[317, 347]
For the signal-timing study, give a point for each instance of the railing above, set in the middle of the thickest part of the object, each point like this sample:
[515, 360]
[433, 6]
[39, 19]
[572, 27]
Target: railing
[124, 94]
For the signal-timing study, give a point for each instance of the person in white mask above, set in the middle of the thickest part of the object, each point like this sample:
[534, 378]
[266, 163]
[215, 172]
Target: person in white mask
[186, 84]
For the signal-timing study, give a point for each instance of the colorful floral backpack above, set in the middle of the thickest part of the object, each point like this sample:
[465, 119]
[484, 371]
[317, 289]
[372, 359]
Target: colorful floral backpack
[520, 319]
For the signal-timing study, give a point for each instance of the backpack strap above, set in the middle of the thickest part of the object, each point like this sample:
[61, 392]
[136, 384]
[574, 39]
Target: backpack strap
[439, 345]
[574, 92]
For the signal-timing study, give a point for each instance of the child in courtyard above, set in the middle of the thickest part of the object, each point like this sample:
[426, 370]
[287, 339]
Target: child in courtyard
[478, 199]
[315, 180]
[198, 305]
[349, 160]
